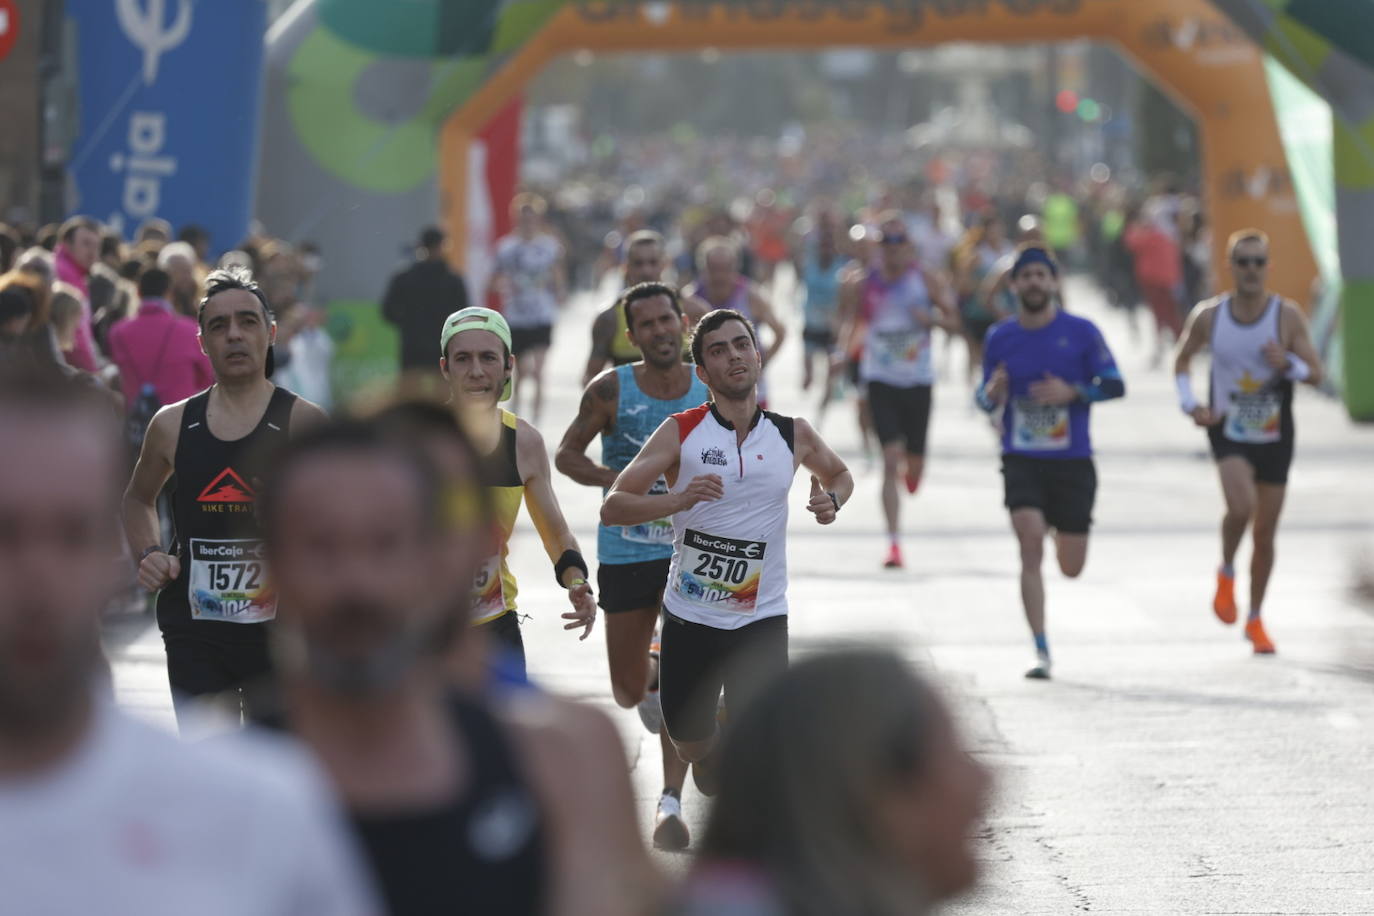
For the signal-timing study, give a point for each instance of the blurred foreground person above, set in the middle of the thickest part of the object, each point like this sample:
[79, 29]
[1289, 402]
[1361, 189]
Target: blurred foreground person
[461, 808]
[100, 813]
[844, 791]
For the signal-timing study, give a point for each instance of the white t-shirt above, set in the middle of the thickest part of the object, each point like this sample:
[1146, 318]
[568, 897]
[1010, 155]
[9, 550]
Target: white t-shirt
[528, 266]
[136, 822]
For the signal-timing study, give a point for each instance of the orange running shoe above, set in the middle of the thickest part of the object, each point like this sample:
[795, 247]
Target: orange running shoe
[1224, 603]
[1254, 631]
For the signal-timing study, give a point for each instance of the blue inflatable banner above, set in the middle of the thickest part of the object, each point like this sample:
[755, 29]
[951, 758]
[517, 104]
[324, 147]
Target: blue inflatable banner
[168, 93]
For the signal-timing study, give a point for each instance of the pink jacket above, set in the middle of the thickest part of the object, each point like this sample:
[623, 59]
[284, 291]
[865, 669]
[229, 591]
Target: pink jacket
[82, 354]
[135, 344]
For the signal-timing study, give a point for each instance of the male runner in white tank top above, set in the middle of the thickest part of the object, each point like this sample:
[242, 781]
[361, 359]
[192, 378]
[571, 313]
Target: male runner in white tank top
[1260, 346]
[729, 467]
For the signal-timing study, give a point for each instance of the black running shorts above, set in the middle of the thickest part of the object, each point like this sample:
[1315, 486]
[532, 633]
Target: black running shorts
[537, 337]
[631, 586]
[1063, 489]
[900, 415]
[696, 662]
[822, 339]
[1270, 460]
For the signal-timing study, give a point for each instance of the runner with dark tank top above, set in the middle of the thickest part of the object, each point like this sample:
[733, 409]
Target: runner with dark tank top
[624, 407]
[482, 801]
[1260, 347]
[216, 601]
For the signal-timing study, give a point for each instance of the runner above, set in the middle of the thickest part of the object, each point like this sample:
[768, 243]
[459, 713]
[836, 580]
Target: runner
[721, 285]
[976, 259]
[462, 803]
[624, 406]
[99, 811]
[729, 466]
[890, 308]
[215, 602]
[530, 273]
[1049, 367]
[477, 363]
[1260, 346]
[820, 270]
[645, 261]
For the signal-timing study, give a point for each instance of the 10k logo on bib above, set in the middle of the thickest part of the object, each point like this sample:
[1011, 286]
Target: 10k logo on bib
[1254, 417]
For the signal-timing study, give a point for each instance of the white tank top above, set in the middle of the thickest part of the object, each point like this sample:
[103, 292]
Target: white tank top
[729, 566]
[1254, 399]
[897, 344]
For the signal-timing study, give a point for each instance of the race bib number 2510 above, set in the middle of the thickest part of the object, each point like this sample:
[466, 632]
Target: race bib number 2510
[228, 582]
[720, 573]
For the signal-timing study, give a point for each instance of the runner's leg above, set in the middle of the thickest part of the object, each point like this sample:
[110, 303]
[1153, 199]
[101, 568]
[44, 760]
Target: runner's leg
[1238, 490]
[1268, 505]
[1030, 528]
[1072, 552]
[628, 636]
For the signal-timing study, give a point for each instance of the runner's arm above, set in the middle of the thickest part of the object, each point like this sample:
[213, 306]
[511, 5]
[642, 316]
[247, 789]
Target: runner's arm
[996, 284]
[629, 502]
[594, 416]
[603, 336]
[142, 527]
[1300, 345]
[847, 314]
[946, 311]
[693, 307]
[1196, 332]
[827, 469]
[1104, 381]
[764, 314]
[540, 499]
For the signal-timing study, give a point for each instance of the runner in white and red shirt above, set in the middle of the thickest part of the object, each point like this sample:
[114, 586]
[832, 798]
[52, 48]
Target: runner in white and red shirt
[729, 466]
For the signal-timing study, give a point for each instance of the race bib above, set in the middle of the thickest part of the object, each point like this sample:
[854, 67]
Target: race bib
[1039, 427]
[1254, 417]
[898, 348]
[720, 573]
[488, 591]
[657, 532]
[228, 582]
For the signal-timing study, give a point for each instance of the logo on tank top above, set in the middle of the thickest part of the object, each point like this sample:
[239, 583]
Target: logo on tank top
[226, 493]
[714, 456]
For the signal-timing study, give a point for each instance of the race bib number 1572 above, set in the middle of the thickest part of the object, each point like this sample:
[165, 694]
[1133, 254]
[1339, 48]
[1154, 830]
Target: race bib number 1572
[228, 582]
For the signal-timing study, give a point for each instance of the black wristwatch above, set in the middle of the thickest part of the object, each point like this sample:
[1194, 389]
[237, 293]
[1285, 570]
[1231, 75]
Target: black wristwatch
[834, 499]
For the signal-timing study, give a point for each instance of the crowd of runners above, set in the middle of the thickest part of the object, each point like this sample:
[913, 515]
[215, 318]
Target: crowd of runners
[348, 581]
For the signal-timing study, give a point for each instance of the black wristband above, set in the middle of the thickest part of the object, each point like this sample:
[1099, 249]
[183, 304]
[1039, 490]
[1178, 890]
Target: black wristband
[571, 559]
[156, 548]
[834, 499]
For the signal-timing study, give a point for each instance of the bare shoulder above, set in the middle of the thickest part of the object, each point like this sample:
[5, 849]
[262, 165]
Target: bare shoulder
[305, 414]
[565, 743]
[529, 442]
[606, 386]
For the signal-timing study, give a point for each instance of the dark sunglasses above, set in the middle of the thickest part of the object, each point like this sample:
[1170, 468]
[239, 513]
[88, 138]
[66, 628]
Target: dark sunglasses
[1250, 262]
[894, 240]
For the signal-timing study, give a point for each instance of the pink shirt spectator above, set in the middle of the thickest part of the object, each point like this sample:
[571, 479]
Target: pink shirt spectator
[135, 345]
[82, 354]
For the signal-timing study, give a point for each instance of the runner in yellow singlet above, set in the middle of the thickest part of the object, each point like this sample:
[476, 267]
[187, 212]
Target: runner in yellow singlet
[477, 364]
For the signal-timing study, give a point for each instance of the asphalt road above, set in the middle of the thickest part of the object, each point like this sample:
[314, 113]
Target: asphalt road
[1165, 769]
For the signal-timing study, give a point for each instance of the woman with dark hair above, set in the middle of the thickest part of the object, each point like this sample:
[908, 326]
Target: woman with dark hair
[844, 791]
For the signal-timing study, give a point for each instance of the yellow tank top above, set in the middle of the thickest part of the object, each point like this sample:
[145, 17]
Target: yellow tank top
[622, 350]
[494, 589]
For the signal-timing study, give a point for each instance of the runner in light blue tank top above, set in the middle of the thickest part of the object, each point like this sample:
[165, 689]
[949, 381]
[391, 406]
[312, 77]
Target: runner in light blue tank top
[636, 419]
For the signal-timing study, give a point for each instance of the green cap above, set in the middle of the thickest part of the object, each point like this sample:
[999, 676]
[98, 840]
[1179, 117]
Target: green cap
[477, 318]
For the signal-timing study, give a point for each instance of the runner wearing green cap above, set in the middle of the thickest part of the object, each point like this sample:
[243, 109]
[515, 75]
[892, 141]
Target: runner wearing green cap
[477, 363]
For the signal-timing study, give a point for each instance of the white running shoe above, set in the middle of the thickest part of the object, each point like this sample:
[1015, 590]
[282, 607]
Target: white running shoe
[670, 830]
[651, 712]
[1041, 671]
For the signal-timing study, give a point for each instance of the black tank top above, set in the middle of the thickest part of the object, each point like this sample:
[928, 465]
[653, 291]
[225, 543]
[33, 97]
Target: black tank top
[480, 854]
[222, 591]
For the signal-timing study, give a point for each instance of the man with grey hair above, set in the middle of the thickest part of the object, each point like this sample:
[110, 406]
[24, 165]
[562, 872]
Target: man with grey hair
[181, 263]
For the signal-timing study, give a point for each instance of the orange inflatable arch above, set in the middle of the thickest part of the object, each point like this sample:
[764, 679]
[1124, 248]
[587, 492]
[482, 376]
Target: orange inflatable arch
[1190, 49]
